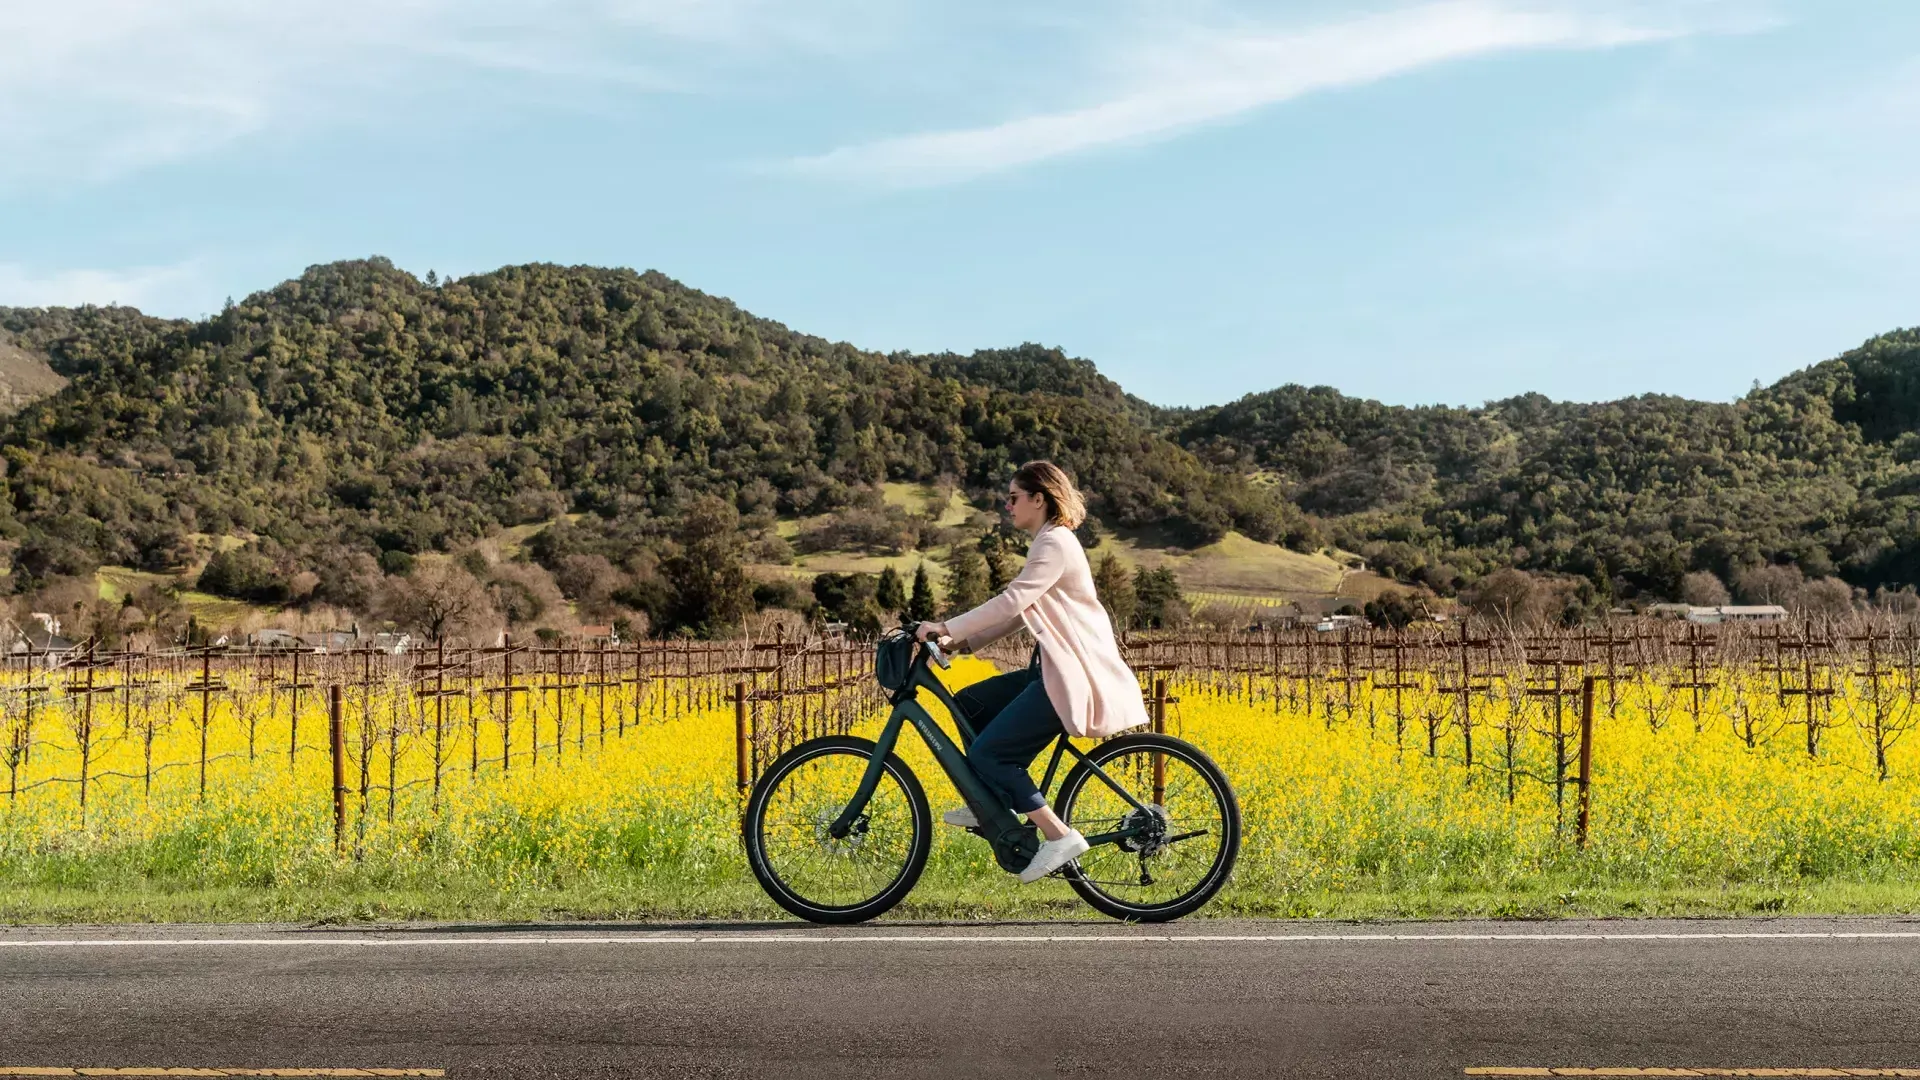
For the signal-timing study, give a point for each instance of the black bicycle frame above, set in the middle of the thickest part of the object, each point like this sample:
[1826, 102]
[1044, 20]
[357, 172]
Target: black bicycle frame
[1013, 842]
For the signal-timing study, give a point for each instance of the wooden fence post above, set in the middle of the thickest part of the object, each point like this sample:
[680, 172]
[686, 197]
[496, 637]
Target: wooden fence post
[1159, 728]
[337, 738]
[1586, 760]
[740, 736]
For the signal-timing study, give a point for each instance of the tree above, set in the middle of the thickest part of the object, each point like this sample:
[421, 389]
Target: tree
[1507, 595]
[1827, 596]
[849, 598]
[1703, 588]
[999, 571]
[1769, 585]
[708, 588]
[1392, 608]
[1115, 588]
[890, 595]
[920, 605]
[438, 601]
[966, 579]
[243, 574]
[1160, 604]
[1087, 533]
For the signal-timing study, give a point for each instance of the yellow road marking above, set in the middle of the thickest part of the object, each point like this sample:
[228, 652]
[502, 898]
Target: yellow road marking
[1572, 1071]
[154, 1070]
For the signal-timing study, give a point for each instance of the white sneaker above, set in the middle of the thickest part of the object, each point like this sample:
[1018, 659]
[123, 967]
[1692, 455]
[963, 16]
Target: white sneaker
[962, 817]
[1053, 855]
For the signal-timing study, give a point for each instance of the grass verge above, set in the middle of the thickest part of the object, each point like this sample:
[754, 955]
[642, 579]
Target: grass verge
[639, 896]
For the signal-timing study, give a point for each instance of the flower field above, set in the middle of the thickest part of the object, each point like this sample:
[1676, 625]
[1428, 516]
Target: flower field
[1748, 778]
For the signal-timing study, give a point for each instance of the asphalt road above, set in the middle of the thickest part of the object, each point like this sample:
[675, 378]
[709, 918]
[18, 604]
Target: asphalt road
[1200, 998]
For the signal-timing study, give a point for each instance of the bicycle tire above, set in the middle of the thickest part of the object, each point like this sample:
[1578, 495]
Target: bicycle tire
[1217, 873]
[790, 896]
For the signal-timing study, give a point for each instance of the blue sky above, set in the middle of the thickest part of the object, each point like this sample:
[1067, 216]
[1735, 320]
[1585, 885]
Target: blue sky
[1440, 201]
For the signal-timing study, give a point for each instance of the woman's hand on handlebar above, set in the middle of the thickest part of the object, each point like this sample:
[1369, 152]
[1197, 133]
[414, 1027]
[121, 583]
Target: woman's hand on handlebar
[935, 631]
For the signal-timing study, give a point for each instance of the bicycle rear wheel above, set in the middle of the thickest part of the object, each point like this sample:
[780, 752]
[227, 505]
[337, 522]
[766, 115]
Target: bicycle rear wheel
[1183, 845]
[828, 879]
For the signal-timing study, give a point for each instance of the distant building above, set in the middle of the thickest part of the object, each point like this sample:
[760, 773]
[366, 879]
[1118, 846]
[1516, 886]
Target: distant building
[278, 639]
[1724, 613]
[328, 641]
[1341, 622]
[37, 640]
[1742, 613]
[599, 635]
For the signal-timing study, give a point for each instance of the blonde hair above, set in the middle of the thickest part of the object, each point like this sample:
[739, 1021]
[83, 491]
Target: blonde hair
[1065, 505]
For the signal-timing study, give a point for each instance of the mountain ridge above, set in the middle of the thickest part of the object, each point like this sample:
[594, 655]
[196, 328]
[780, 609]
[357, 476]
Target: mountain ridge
[357, 406]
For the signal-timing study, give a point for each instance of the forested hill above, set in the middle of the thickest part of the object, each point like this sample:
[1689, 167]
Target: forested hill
[1818, 470]
[359, 409]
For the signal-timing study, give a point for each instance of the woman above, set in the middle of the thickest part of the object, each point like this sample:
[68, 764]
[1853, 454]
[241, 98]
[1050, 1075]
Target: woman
[1078, 680]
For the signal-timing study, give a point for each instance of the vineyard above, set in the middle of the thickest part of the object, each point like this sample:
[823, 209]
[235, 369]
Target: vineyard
[1639, 766]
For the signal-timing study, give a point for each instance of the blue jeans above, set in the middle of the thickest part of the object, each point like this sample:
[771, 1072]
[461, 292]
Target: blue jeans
[1015, 722]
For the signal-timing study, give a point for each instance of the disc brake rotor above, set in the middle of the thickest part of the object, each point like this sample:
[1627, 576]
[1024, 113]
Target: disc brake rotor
[855, 839]
[1146, 831]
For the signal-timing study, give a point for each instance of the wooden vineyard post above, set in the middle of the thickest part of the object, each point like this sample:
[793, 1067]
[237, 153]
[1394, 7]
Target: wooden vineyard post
[1467, 687]
[506, 690]
[205, 687]
[1400, 685]
[602, 687]
[1696, 675]
[293, 688]
[1159, 728]
[439, 692]
[1874, 674]
[1586, 761]
[740, 736]
[337, 741]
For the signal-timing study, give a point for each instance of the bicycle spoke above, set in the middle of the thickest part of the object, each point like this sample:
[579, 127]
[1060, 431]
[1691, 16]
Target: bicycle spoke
[801, 850]
[1189, 803]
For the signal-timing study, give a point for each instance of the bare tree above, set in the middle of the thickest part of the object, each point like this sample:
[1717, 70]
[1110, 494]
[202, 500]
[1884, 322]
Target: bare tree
[1703, 588]
[1826, 596]
[439, 601]
[1769, 584]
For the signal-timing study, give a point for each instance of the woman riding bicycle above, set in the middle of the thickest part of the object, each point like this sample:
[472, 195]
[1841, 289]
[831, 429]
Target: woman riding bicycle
[1078, 680]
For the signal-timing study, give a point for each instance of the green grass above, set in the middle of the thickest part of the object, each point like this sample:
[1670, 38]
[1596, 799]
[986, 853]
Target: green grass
[1238, 566]
[723, 893]
[115, 582]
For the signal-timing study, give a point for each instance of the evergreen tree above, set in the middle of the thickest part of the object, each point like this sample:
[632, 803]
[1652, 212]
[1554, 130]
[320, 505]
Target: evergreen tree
[708, 589]
[890, 595]
[1160, 603]
[999, 567]
[966, 579]
[920, 604]
[849, 598]
[1115, 586]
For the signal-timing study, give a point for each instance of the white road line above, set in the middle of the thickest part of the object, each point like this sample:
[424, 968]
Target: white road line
[782, 938]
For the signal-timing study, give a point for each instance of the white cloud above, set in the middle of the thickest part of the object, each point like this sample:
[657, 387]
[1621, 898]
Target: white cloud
[148, 287]
[1192, 75]
[91, 89]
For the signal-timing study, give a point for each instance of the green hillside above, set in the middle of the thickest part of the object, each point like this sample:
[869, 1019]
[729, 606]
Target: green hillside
[355, 420]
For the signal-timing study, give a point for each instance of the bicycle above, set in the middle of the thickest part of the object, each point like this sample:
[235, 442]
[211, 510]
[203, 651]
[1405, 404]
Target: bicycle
[838, 828]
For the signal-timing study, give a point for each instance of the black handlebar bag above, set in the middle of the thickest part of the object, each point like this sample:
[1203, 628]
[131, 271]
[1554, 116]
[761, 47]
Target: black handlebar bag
[893, 660]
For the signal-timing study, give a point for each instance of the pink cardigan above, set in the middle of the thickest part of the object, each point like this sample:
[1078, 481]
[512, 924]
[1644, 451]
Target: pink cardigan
[1092, 690]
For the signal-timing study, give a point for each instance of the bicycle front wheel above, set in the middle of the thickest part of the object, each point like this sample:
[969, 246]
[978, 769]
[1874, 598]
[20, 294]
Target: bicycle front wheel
[1176, 852]
[814, 874]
